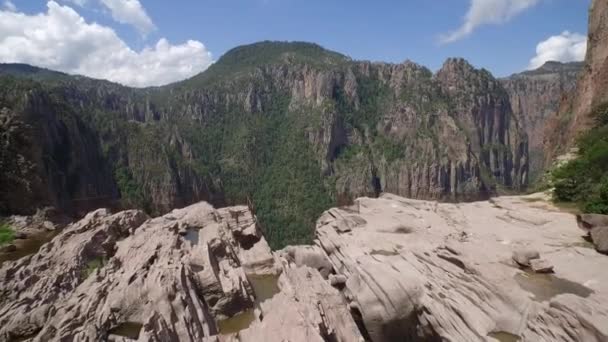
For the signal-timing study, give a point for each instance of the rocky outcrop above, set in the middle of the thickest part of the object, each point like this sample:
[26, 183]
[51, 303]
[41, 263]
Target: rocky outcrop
[49, 156]
[106, 276]
[386, 269]
[420, 270]
[596, 226]
[535, 97]
[575, 114]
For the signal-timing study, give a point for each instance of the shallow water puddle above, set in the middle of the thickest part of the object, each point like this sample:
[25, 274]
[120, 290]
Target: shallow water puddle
[236, 323]
[264, 287]
[547, 286]
[128, 329]
[192, 236]
[28, 246]
[504, 336]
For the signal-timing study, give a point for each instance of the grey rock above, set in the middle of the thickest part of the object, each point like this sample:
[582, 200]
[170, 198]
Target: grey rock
[589, 221]
[310, 256]
[599, 236]
[541, 266]
[337, 280]
[523, 256]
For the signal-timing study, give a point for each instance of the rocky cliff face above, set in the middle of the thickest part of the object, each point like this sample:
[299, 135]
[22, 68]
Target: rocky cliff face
[535, 97]
[575, 114]
[276, 116]
[50, 156]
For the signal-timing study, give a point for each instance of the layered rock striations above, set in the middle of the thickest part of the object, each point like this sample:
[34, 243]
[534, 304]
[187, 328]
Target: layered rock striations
[535, 97]
[385, 269]
[576, 113]
[401, 128]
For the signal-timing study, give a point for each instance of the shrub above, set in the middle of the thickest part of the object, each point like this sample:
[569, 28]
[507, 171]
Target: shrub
[7, 235]
[585, 180]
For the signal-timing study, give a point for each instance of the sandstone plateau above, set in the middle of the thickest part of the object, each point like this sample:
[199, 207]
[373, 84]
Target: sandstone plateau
[385, 269]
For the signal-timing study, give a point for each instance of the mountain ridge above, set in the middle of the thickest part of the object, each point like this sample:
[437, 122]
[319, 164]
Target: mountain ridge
[334, 131]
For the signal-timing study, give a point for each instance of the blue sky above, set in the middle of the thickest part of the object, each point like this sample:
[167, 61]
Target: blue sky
[503, 38]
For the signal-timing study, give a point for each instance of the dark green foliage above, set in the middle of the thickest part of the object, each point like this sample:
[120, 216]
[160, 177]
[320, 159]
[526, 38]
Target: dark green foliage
[92, 266]
[374, 97]
[7, 235]
[290, 193]
[131, 192]
[601, 114]
[265, 158]
[243, 59]
[389, 148]
[585, 179]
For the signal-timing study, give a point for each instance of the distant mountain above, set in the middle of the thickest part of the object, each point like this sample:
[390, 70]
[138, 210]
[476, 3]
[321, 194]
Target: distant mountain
[535, 96]
[575, 115]
[291, 127]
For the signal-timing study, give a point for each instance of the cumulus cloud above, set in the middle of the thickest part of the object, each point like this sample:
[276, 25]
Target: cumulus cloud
[9, 6]
[566, 47]
[80, 3]
[130, 12]
[61, 39]
[484, 12]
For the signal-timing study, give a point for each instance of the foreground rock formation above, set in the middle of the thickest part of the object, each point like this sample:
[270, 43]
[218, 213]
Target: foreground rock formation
[386, 269]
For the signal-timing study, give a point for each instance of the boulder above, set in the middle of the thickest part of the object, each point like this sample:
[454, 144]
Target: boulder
[599, 236]
[310, 256]
[337, 280]
[523, 256]
[590, 221]
[541, 266]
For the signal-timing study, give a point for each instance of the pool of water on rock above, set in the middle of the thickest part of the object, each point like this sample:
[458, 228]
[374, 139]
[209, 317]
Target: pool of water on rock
[547, 286]
[28, 246]
[192, 236]
[128, 329]
[504, 336]
[264, 288]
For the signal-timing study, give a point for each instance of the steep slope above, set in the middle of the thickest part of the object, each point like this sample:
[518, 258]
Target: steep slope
[535, 97]
[291, 127]
[576, 112]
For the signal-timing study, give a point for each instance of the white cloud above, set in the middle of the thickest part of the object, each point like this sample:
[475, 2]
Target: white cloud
[566, 47]
[130, 12]
[80, 3]
[484, 12]
[9, 6]
[61, 39]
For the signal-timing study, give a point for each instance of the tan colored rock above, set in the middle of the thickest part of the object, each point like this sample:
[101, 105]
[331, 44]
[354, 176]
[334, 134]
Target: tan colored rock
[431, 283]
[541, 266]
[590, 221]
[110, 274]
[524, 256]
[310, 256]
[599, 236]
[306, 309]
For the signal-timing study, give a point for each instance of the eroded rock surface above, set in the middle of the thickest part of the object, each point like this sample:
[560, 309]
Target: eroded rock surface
[423, 270]
[386, 269]
[109, 277]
